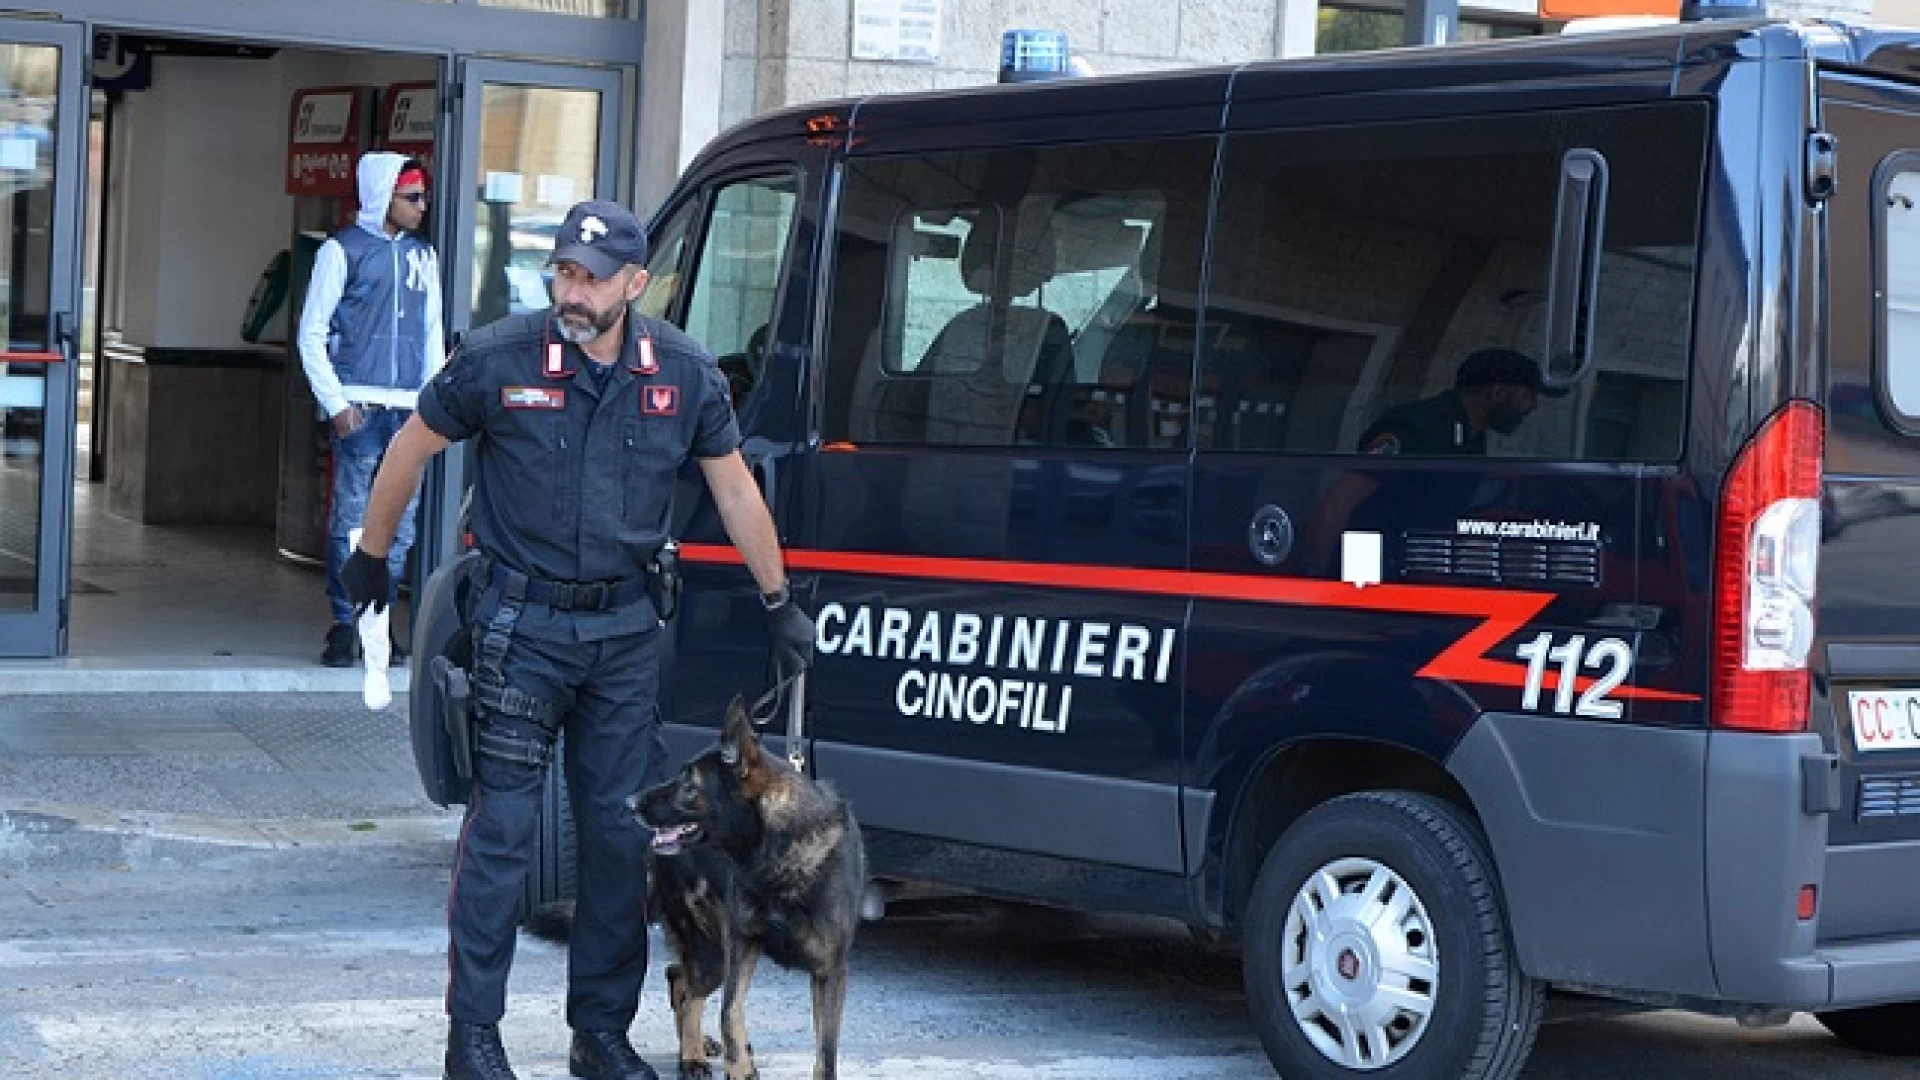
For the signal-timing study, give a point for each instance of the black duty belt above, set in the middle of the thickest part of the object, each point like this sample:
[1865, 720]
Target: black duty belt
[568, 595]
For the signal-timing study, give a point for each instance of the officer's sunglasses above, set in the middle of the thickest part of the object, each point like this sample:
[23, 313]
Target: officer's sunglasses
[417, 198]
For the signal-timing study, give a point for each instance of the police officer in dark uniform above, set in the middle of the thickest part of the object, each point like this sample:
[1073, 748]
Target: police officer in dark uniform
[1494, 389]
[586, 412]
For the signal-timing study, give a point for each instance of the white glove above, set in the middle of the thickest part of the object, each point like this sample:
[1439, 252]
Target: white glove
[375, 646]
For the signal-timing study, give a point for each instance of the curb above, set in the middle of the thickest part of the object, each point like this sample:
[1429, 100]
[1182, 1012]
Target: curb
[137, 677]
[30, 816]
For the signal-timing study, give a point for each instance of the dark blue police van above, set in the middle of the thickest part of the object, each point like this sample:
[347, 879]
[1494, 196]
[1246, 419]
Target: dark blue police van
[1442, 517]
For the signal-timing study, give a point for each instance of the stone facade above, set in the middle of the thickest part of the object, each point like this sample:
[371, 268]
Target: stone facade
[789, 51]
[781, 52]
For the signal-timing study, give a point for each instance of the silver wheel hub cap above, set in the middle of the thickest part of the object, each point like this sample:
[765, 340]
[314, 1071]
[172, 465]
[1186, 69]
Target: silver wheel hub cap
[1359, 963]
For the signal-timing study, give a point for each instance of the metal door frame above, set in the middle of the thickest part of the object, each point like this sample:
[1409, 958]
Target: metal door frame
[446, 482]
[42, 632]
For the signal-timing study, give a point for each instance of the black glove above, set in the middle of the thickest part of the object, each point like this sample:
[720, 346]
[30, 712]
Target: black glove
[367, 581]
[792, 632]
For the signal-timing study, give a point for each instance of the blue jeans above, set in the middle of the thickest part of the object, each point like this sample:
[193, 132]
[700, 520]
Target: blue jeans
[356, 458]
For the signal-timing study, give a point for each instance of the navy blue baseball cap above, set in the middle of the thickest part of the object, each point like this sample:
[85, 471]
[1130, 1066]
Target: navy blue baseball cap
[601, 236]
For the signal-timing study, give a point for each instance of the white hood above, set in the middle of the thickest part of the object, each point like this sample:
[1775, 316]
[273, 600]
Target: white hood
[378, 173]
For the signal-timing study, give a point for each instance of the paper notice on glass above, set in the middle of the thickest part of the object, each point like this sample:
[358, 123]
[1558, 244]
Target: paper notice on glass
[18, 153]
[504, 187]
[554, 190]
[906, 30]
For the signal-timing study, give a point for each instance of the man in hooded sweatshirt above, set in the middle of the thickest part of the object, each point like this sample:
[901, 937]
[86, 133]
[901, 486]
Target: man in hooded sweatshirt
[370, 338]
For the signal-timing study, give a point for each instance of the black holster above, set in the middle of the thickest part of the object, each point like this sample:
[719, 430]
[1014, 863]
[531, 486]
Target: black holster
[456, 706]
[663, 581]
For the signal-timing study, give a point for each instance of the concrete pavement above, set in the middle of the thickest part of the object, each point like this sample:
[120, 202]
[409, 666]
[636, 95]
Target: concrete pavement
[256, 769]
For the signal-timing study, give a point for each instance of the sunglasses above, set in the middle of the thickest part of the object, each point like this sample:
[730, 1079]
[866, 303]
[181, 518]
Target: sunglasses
[417, 198]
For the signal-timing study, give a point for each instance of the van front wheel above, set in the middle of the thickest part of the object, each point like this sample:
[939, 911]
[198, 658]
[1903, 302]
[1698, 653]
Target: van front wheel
[1377, 945]
[1883, 1029]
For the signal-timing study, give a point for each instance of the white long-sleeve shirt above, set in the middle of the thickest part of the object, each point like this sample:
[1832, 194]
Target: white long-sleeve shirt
[324, 289]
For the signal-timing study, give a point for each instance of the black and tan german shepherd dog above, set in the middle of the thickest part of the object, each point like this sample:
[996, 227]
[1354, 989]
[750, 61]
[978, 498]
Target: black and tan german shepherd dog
[750, 858]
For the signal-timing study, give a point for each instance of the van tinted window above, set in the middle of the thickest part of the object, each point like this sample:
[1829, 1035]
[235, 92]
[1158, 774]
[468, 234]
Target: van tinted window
[1355, 268]
[1037, 297]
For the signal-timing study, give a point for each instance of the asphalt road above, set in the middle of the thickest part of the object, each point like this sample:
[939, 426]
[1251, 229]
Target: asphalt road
[318, 952]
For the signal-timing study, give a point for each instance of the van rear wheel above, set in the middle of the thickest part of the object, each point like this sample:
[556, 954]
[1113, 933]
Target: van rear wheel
[1882, 1029]
[1377, 945]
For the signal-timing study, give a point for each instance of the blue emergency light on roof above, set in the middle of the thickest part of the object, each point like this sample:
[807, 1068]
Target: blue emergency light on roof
[1704, 10]
[1033, 55]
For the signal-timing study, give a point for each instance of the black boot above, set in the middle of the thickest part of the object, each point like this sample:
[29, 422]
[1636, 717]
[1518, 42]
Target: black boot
[474, 1053]
[343, 643]
[607, 1055]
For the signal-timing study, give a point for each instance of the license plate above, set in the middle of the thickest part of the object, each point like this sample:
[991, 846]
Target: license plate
[1885, 719]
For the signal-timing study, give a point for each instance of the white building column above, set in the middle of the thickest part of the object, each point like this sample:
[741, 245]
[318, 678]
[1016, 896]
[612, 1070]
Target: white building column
[679, 93]
[1298, 23]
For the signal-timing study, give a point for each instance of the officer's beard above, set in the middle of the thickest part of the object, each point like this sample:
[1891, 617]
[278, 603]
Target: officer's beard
[580, 324]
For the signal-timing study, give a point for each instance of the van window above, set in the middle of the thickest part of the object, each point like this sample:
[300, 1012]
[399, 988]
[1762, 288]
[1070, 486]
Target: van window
[664, 261]
[1902, 290]
[737, 279]
[1355, 268]
[1030, 297]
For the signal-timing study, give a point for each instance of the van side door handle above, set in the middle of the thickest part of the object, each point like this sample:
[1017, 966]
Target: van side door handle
[759, 455]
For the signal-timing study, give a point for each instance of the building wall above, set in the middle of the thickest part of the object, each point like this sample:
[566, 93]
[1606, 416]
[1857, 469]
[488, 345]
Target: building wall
[790, 51]
[1896, 12]
[781, 52]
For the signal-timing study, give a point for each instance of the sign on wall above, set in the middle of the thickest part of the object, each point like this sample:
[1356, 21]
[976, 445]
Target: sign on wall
[409, 119]
[120, 64]
[323, 141]
[905, 30]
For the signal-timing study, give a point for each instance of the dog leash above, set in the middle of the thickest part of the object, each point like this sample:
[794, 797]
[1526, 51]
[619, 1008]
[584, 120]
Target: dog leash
[766, 707]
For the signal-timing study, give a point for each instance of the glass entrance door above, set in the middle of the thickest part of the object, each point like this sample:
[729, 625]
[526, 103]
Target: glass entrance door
[43, 116]
[533, 139]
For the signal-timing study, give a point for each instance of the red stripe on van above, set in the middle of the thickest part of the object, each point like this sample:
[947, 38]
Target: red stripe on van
[1502, 612]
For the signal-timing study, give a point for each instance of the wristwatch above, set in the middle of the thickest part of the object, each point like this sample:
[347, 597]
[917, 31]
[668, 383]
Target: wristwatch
[774, 599]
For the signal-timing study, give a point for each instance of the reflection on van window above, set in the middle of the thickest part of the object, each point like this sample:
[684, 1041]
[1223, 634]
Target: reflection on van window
[938, 289]
[1903, 293]
[738, 275]
[1018, 297]
[1356, 270]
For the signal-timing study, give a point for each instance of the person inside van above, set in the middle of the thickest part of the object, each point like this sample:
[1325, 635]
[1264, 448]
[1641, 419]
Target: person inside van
[1494, 389]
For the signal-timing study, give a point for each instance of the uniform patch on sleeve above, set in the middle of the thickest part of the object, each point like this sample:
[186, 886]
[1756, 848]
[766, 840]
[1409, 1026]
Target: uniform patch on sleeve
[660, 400]
[532, 397]
[1384, 443]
